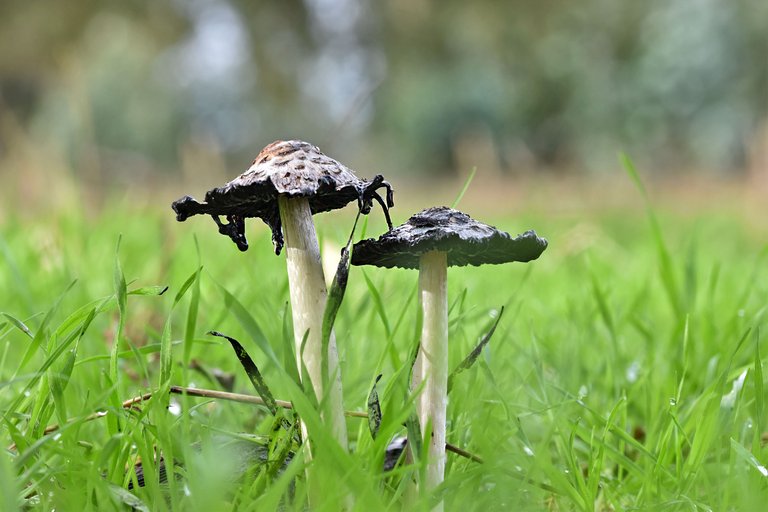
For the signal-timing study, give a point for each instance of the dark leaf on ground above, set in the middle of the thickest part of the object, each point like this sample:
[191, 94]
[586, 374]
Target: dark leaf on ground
[252, 371]
[472, 357]
[374, 410]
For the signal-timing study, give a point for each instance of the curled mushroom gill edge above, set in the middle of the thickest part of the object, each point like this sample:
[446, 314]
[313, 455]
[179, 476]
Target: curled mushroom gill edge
[234, 229]
[367, 193]
[186, 207]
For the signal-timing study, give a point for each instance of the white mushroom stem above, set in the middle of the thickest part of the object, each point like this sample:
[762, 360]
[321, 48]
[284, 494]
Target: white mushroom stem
[308, 298]
[433, 294]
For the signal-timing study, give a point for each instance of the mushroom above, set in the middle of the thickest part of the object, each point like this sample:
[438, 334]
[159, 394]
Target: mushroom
[431, 241]
[284, 170]
[287, 183]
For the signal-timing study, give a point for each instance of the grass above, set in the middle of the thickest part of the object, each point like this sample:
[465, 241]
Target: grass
[625, 374]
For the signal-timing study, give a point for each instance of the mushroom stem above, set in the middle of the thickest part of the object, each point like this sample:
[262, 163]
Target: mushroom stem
[433, 293]
[308, 298]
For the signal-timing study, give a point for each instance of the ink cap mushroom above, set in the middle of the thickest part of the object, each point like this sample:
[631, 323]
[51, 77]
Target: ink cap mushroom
[286, 184]
[432, 240]
[291, 169]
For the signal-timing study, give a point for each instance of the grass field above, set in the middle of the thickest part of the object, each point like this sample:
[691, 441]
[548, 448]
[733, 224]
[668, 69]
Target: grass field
[625, 374]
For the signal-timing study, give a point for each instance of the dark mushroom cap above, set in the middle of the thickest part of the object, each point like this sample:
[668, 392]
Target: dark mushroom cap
[292, 168]
[466, 241]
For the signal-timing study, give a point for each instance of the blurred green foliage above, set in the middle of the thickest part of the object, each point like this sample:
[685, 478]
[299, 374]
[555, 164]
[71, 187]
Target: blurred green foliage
[396, 86]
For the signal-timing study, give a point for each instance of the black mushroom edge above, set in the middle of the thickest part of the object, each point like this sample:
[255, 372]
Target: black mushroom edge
[237, 202]
[466, 242]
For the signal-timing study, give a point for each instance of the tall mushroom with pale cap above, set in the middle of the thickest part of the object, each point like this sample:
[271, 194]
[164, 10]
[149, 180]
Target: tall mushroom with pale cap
[433, 240]
[287, 183]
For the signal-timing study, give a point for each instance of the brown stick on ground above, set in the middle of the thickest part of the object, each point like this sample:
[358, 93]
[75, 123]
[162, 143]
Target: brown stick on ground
[233, 397]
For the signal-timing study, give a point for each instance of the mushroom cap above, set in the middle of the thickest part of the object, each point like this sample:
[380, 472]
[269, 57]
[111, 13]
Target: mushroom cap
[466, 242]
[292, 168]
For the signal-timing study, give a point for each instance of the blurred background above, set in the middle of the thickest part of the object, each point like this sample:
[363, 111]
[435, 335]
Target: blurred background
[107, 96]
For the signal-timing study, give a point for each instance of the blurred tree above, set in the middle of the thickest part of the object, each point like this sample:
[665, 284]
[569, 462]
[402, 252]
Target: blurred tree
[35, 36]
[680, 83]
[424, 86]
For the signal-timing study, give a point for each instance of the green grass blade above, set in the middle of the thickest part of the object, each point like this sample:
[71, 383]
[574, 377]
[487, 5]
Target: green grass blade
[602, 305]
[52, 358]
[20, 284]
[754, 277]
[59, 381]
[19, 325]
[127, 498]
[16, 436]
[166, 354]
[412, 423]
[306, 380]
[192, 279]
[690, 280]
[152, 348]
[76, 318]
[9, 486]
[463, 191]
[340, 468]
[364, 227]
[666, 267]
[289, 354]
[32, 451]
[758, 393]
[749, 458]
[335, 298]
[250, 325]
[631, 171]
[166, 345]
[192, 313]
[148, 291]
[404, 310]
[378, 305]
[121, 293]
[283, 486]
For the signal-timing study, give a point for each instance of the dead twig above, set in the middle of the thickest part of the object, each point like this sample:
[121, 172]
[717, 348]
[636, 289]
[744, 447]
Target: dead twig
[232, 397]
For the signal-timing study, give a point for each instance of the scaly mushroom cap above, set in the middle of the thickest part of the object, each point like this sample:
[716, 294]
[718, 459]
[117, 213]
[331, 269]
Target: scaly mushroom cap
[466, 241]
[292, 168]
